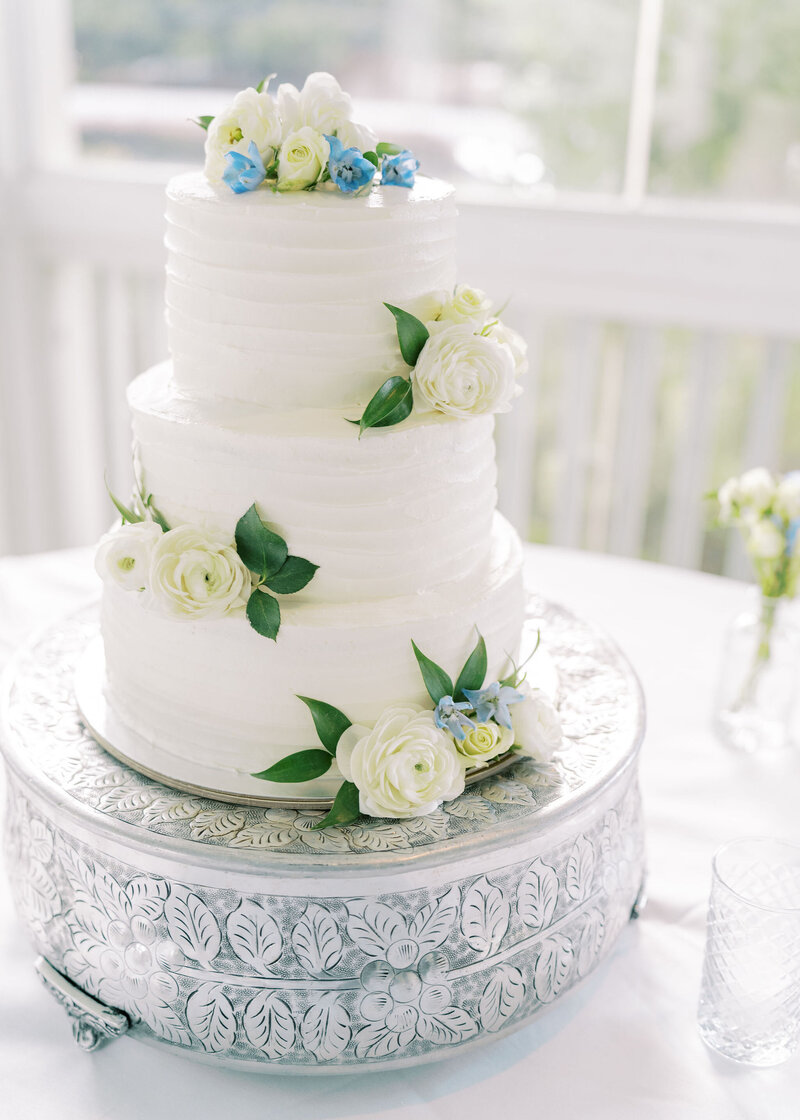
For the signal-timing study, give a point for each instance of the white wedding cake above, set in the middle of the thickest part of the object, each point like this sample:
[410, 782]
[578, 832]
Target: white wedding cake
[276, 552]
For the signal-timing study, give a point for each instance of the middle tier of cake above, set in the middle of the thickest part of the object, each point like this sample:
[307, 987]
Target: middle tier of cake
[395, 513]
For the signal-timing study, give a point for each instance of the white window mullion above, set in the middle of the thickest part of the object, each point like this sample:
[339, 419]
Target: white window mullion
[642, 103]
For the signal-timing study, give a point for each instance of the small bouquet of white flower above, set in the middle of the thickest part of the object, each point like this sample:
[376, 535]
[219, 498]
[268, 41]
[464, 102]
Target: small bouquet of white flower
[766, 510]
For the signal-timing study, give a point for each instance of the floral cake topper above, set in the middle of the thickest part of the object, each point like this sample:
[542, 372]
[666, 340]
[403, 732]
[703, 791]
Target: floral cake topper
[296, 140]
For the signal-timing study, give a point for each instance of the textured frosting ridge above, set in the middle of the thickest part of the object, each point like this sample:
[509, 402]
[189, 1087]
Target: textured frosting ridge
[278, 299]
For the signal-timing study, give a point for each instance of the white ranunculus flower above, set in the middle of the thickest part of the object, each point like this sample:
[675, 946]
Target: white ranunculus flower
[466, 305]
[537, 728]
[405, 766]
[757, 489]
[462, 373]
[765, 541]
[787, 499]
[252, 117]
[729, 496]
[197, 573]
[323, 104]
[354, 135]
[517, 344]
[302, 157]
[123, 555]
[483, 743]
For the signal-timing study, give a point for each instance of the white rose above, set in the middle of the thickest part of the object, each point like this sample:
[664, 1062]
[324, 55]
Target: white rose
[729, 497]
[123, 555]
[787, 499]
[323, 104]
[252, 117]
[354, 135]
[302, 157]
[466, 305]
[405, 766]
[462, 373]
[765, 541]
[483, 743]
[757, 489]
[537, 728]
[287, 98]
[197, 573]
[516, 343]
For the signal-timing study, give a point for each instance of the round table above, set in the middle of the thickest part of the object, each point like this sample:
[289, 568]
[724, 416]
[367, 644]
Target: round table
[623, 1045]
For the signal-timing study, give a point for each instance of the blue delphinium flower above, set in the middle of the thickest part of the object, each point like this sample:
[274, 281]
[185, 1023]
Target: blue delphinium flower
[450, 716]
[243, 174]
[399, 170]
[347, 167]
[492, 702]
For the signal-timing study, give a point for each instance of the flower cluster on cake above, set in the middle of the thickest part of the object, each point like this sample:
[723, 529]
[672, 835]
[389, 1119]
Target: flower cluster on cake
[331, 391]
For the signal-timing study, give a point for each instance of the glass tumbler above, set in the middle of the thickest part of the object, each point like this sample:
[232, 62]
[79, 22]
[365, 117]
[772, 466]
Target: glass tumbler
[749, 1006]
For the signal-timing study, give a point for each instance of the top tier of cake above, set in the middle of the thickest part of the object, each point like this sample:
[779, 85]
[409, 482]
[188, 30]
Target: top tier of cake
[277, 299]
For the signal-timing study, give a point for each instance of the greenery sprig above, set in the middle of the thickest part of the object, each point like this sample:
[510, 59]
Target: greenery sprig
[266, 554]
[392, 403]
[141, 509]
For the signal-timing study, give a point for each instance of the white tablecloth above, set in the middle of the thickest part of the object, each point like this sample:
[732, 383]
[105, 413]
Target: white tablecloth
[623, 1046]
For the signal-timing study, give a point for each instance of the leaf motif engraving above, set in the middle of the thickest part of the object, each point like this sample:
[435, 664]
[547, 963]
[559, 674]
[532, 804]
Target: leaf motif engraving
[377, 1041]
[501, 997]
[264, 834]
[580, 869]
[38, 893]
[165, 810]
[373, 926]
[254, 935]
[325, 1029]
[269, 1025]
[216, 823]
[506, 791]
[484, 916]
[316, 940]
[40, 840]
[124, 799]
[451, 1024]
[192, 926]
[433, 922]
[537, 895]
[211, 1018]
[378, 838]
[590, 941]
[147, 896]
[164, 1022]
[471, 808]
[553, 967]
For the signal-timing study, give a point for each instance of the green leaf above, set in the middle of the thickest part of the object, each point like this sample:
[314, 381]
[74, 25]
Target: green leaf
[412, 334]
[261, 550]
[262, 85]
[329, 722]
[473, 674]
[299, 767]
[391, 405]
[204, 122]
[516, 677]
[384, 149]
[293, 576]
[436, 680]
[345, 807]
[372, 157]
[264, 614]
[157, 517]
[125, 513]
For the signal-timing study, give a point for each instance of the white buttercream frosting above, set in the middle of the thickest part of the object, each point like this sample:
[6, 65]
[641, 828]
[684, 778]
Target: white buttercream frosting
[277, 299]
[397, 512]
[217, 692]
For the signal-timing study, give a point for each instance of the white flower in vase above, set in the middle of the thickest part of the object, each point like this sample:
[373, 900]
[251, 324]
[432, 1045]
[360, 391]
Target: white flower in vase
[787, 497]
[756, 489]
[765, 541]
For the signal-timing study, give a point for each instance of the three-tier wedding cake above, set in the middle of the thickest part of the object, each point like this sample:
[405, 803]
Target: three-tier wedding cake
[313, 542]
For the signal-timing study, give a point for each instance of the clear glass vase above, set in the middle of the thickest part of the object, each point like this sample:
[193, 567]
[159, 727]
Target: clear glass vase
[760, 677]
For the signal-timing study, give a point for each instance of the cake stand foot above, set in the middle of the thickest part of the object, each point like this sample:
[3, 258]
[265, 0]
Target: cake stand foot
[639, 902]
[93, 1024]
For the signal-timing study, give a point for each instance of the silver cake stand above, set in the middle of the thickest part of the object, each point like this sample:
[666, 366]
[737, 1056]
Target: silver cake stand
[238, 934]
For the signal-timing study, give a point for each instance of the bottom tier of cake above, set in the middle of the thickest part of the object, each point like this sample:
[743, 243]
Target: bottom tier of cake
[215, 694]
